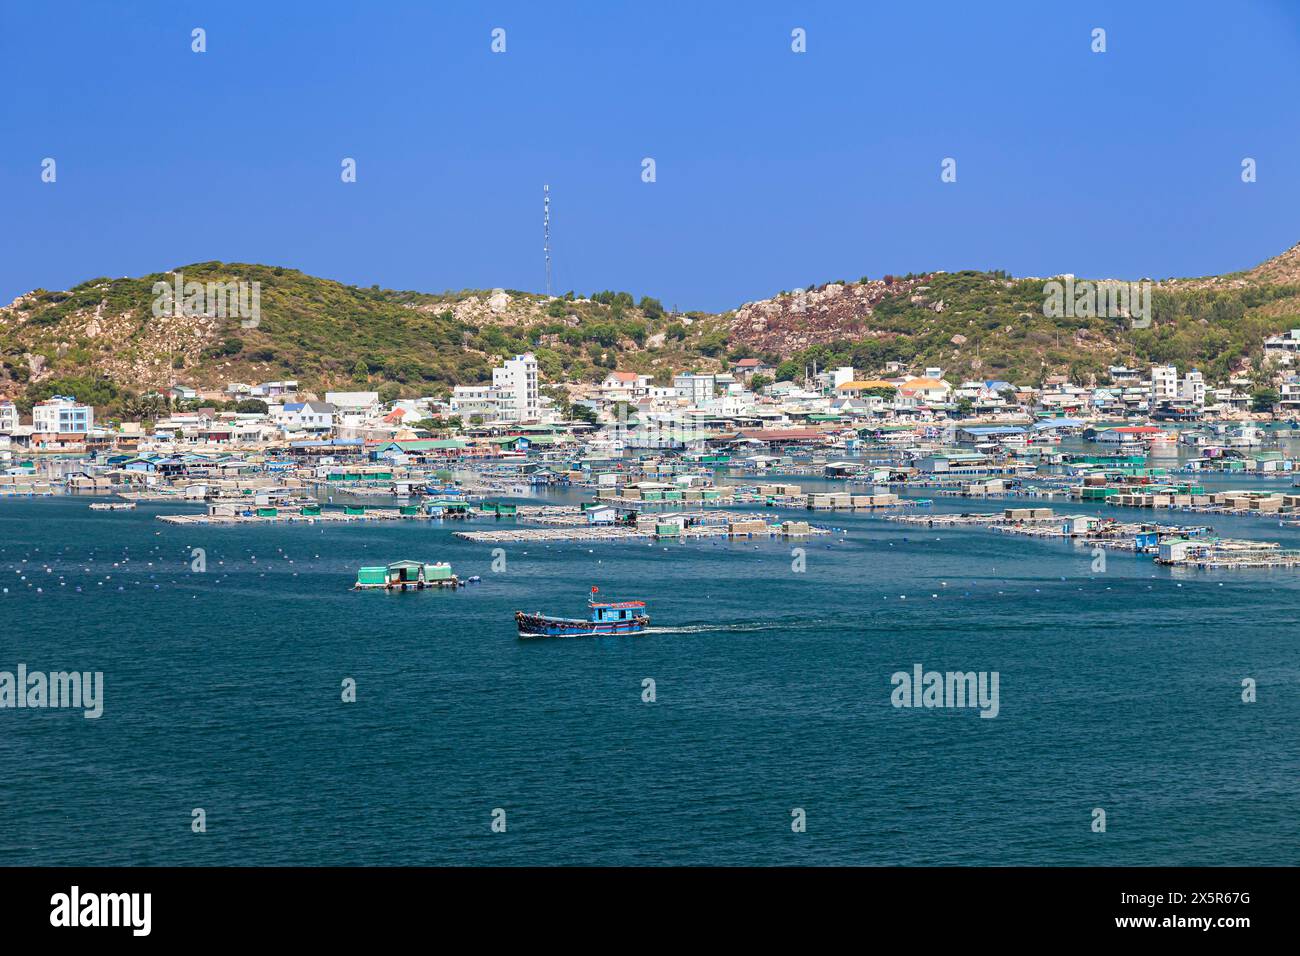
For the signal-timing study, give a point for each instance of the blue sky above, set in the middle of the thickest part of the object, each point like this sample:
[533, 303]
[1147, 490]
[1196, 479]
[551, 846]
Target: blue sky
[774, 169]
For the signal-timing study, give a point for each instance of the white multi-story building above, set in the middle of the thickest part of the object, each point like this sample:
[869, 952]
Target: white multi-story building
[1065, 396]
[624, 387]
[1164, 384]
[1282, 348]
[285, 391]
[696, 389]
[660, 396]
[830, 379]
[1290, 393]
[923, 391]
[1193, 388]
[62, 414]
[1228, 399]
[356, 403]
[8, 418]
[517, 392]
[470, 400]
[305, 416]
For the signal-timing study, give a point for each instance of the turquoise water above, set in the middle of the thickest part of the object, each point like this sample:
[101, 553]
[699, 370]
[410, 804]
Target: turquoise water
[1119, 690]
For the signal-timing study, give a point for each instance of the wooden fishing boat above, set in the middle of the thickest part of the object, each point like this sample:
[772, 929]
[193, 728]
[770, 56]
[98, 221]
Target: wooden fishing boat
[616, 617]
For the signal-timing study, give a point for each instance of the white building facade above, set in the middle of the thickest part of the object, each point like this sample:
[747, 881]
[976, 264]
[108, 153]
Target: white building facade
[696, 389]
[62, 414]
[356, 403]
[517, 392]
[1193, 388]
[1164, 384]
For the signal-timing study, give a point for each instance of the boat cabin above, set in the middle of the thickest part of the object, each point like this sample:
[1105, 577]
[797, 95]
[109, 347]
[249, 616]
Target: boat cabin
[619, 611]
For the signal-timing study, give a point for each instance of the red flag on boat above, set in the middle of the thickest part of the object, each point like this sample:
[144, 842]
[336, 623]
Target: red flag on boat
[594, 589]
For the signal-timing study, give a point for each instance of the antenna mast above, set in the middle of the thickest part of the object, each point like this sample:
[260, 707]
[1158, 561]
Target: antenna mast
[546, 233]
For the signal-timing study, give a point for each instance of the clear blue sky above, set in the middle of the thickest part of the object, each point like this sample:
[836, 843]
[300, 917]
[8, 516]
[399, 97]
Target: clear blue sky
[774, 169]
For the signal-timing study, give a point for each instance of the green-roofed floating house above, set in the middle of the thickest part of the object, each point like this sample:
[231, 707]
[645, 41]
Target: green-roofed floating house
[406, 576]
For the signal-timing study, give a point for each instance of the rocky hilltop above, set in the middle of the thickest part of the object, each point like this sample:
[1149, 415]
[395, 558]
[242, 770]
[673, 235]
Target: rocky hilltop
[837, 311]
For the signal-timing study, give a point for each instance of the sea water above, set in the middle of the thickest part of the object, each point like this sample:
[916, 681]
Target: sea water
[761, 697]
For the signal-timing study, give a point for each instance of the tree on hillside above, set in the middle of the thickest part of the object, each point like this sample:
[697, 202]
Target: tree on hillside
[560, 396]
[145, 407]
[439, 425]
[1263, 400]
[788, 371]
[608, 297]
[98, 391]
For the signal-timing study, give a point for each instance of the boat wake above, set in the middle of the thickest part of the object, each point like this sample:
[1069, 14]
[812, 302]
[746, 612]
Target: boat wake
[736, 628]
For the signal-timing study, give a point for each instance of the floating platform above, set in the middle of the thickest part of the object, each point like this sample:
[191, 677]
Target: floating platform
[987, 519]
[26, 491]
[406, 576]
[314, 514]
[1217, 558]
[1172, 545]
[607, 534]
[281, 516]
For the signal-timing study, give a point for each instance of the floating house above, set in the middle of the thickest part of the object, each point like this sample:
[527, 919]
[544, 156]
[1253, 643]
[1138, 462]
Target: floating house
[601, 515]
[1124, 434]
[406, 576]
[1079, 525]
[1174, 550]
[999, 434]
[1144, 542]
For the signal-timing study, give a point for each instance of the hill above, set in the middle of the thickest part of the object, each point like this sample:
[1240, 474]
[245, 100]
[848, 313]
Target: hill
[989, 325]
[103, 335]
[103, 341]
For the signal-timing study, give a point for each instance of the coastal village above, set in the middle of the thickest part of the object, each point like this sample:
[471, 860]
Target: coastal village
[670, 461]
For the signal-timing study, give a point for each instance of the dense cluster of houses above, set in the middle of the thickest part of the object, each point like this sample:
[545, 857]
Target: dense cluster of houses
[683, 414]
[838, 394]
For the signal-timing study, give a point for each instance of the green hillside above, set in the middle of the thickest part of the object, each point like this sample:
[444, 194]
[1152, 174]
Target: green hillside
[102, 341]
[994, 327]
[103, 334]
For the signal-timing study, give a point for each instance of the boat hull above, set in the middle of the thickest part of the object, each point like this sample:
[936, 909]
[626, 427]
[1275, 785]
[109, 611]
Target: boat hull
[539, 625]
